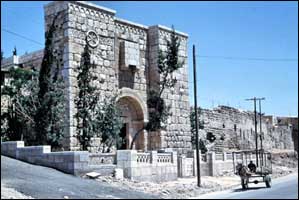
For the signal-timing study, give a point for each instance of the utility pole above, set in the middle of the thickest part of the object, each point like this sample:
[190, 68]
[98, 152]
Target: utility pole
[196, 119]
[255, 129]
[261, 133]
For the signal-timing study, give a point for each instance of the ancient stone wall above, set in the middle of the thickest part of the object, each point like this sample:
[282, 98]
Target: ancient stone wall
[125, 55]
[177, 135]
[62, 51]
[234, 128]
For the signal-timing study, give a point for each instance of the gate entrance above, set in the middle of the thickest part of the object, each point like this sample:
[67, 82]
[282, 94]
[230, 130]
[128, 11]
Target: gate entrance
[123, 137]
[132, 117]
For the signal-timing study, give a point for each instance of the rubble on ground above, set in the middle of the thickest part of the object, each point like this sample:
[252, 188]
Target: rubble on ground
[187, 187]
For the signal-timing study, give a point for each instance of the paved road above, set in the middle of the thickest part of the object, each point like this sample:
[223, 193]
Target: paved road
[282, 188]
[43, 182]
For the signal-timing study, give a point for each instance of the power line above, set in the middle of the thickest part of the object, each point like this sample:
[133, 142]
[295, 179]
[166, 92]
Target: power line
[251, 58]
[21, 36]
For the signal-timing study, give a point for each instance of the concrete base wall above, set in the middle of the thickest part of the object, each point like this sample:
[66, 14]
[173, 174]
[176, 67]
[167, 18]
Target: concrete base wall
[72, 162]
[153, 166]
[211, 164]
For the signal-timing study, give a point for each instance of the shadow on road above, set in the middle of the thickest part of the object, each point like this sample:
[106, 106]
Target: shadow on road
[248, 189]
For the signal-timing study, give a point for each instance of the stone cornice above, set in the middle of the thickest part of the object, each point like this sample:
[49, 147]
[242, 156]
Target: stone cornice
[165, 28]
[94, 6]
[123, 21]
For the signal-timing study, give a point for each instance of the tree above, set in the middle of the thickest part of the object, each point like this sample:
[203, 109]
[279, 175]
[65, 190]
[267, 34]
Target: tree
[109, 124]
[26, 104]
[86, 101]
[168, 63]
[20, 94]
[202, 146]
[193, 129]
[50, 115]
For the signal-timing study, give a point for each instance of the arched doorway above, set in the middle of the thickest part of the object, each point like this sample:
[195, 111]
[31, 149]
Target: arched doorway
[132, 116]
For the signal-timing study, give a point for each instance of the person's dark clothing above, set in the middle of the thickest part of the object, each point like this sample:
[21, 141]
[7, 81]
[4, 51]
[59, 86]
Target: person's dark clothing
[252, 167]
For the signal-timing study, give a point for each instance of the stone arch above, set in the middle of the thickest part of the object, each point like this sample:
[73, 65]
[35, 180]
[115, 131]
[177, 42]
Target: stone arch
[134, 97]
[134, 115]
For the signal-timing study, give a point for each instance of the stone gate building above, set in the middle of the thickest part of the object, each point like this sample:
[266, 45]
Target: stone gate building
[126, 55]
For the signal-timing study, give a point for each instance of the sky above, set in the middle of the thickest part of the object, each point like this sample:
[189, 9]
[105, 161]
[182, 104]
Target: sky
[243, 49]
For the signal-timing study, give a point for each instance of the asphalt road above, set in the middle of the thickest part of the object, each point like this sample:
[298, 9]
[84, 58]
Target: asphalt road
[282, 188]
[42, 182]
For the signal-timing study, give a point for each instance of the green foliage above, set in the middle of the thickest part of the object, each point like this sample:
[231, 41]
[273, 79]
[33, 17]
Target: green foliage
[158, 111]
[47, 62]
[193, 127]
[18, 77]
[109, 123]
[202, 146]
[86, 100]
[50, 114]
[21, 93]
[211, 137]
[168, 63]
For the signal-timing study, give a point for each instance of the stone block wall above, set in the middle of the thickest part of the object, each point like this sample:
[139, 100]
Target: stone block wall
[72, 162]
[153, 166]
[125, 55]
[79, 18]
[10, 148]
[116, 69]
[134, 37]
[177, 134]
[234, 129]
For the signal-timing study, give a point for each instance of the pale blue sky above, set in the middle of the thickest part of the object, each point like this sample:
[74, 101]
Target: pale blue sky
[241, 30]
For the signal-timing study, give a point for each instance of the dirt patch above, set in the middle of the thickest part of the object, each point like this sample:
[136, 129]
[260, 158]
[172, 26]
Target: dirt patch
[286, 159]
[284, 163]
[182, 188]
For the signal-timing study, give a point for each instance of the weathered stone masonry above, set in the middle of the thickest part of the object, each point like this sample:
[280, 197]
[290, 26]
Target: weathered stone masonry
[125, 54]
[234, 128]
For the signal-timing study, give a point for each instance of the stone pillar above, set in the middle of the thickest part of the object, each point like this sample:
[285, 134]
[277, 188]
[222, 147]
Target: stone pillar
[243, 158]
[127, 160]
[154, 157]
[162, 136]
[174, 157]
[145, 138]
[211, 159]
[180, 165]
[224, 156]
